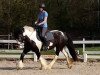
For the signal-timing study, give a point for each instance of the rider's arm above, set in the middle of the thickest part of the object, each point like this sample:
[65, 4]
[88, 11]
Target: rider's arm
[45, 20]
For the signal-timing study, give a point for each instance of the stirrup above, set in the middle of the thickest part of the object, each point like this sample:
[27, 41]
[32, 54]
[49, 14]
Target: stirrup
[45, 47]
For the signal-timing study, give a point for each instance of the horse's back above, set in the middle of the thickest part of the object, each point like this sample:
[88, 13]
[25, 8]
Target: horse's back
[52, 34]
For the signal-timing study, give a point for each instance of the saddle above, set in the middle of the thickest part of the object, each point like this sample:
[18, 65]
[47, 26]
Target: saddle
[49, 36]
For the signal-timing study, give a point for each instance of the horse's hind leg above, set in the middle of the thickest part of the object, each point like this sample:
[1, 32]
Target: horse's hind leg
[67, 58]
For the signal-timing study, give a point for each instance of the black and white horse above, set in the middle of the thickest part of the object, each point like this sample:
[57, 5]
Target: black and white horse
[61, 43]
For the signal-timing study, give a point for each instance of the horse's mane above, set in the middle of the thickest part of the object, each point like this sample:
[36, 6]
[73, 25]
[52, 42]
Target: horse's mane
[31, 29]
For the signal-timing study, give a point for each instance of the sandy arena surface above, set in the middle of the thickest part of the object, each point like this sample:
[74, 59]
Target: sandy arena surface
[60, 68]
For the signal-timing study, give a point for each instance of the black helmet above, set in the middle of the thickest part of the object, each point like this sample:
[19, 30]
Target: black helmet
[42, 5]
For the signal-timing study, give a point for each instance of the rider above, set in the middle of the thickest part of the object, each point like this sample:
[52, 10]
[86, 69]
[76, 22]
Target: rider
[42, 24]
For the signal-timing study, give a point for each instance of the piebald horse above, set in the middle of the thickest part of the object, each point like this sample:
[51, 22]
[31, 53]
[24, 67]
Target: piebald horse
[61, 43]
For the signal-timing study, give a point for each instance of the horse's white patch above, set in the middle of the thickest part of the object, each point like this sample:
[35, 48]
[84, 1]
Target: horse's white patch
[62, 33]
[54, 30]
[55, 48]
[58, 31]
[51, 44]
[43, 62]
[20, 65]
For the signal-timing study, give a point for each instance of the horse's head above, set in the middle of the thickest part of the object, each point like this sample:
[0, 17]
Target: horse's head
[27, 31]
[18, 34]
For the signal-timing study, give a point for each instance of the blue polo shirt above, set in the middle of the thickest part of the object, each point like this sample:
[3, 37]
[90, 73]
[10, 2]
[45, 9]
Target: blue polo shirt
[41, 17]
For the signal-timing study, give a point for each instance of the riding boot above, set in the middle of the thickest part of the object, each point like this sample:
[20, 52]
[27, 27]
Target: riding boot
[45, 44]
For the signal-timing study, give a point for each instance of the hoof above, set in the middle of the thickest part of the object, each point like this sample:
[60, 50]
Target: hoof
[43, 68]
[49, 67]
[19, 66]
[70, 66]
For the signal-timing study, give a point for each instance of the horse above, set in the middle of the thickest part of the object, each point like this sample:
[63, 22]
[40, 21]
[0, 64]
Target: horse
[61, 43]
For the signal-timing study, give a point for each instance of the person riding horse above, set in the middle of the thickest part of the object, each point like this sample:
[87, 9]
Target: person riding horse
[42, 25]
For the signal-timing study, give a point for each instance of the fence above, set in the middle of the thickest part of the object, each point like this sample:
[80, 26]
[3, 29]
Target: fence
[8, 37]
[86, 54]
[89, 54]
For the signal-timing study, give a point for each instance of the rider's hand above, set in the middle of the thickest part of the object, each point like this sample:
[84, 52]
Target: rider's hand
[36, 22]
[39, 24]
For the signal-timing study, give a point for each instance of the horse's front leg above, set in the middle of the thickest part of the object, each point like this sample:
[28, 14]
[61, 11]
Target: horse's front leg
[52, 63]
[55, 58]
[20, 64]
[41, 59]
[43, 63]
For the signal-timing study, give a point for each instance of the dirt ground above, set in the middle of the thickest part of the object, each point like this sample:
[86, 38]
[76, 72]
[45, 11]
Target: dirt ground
[8, 67]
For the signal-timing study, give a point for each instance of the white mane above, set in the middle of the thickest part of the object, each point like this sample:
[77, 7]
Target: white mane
[31, 29]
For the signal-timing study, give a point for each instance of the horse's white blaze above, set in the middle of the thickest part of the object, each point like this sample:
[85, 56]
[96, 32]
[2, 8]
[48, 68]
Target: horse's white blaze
[52, 63]
[43, 63]
[67, 51]
[20, 64]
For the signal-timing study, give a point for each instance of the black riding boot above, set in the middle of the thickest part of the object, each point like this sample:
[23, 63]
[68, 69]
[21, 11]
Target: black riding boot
[45, 44]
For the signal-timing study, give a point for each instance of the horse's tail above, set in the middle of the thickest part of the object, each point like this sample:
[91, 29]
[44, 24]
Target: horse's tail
[71, 48]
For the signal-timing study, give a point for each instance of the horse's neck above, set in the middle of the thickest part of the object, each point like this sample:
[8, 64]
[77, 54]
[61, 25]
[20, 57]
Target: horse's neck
[32, 35]
[34, 38]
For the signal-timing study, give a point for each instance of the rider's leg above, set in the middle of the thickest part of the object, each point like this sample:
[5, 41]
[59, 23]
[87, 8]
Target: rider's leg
[45, 42]
[39, 31]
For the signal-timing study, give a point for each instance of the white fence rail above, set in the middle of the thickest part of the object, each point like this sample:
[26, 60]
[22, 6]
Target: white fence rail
[8, 37]
[86, 54]
[89, 54]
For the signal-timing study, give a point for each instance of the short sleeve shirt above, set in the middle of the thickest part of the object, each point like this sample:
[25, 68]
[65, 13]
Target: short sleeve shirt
[41, 17]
